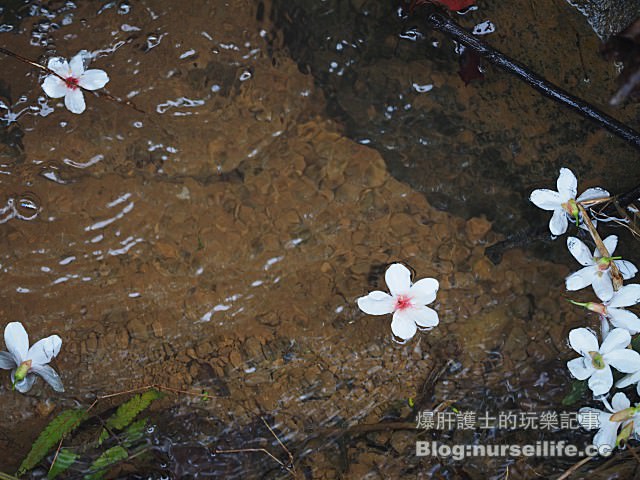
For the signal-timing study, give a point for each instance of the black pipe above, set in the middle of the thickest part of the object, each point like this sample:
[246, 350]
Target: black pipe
[445, 25]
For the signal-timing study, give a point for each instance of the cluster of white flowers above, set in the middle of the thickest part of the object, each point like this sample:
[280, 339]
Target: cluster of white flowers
[620, 421]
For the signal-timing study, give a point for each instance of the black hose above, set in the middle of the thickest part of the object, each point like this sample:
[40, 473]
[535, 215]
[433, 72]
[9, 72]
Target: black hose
[445, 25]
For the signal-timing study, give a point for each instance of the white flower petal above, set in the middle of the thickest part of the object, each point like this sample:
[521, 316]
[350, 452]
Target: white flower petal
[398, 278]
[620, 402]
[617, 339]
[580, 368]
[580, 279]
[580, 251]
[24, 385]
[583, 341]
[624, 319]
[424, 291]
[603, 286]
[7, 361]
[607, 434]
[592, 194]
[376, 303]
[50, 376]
[627, 269]
[54, 87]
[628, 380]
[44, 350]
[625, 360]
[76, 64]
[545, 199]
[601, 381]
[567, 184]
[625, 297]
[60, 66]
[558, 223]
[93, 79]
[74, 101]
[403, 326]
[586, 416]
[424, 317]
[611, 242]
[17, 341]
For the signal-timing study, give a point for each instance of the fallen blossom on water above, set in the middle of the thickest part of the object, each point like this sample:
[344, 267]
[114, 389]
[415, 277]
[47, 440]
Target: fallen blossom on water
[619, 414]
[75, 79]
[610, 310]
[407, 302]
[563, 202]
[25, 362]
[597, 269]
[596, 361]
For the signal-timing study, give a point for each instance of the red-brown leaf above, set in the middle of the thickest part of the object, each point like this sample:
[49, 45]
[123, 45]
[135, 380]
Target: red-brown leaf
[470, 66]
[453, 5]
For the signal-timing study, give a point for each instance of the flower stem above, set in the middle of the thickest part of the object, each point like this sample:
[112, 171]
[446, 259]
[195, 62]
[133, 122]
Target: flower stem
[616, 276]
[580, 304]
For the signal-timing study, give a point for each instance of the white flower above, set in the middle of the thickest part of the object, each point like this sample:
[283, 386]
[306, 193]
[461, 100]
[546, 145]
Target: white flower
[596, 269]
[75, 79]
[620, 413]
[407, 302]
[24, 361]
[619, 317]
[596, 362]
[563, 202]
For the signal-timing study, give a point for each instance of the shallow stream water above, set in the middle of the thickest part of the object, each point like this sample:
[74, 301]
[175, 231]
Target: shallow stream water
[279, 156]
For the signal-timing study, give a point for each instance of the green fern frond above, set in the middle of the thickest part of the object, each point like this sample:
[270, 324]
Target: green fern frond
[134, 433]
[108, 458]
[63, 461]
[128, 411]
[57, 429]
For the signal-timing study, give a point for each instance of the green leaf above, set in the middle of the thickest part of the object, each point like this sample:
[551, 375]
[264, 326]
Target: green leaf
[134, 432]
[64, 460]
[635, 343]
[108, 458]
[578, 389]
[128, 411]
[57, 429]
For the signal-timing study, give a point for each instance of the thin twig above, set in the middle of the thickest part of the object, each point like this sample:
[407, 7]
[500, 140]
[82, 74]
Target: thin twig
[250, 450]
[55, 457]
[575, 467]
[106, 95]
[278, 439]
[289, 468]
[147, 387]
[616, 276]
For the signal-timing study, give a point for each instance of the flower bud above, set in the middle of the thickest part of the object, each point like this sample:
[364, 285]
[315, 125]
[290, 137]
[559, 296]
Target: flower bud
[624, 434]
[597, 360]
[571, 208]
[623, 415]
[22, 370]
[597, 307]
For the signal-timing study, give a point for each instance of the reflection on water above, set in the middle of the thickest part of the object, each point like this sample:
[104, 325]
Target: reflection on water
[218, 241]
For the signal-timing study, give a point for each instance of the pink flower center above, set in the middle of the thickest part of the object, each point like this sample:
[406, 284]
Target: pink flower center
[72, 83]
[603, 263]
[403, 302]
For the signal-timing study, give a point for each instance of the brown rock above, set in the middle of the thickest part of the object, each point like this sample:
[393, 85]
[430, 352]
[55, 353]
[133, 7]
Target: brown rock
[235, 359]
[477, 228]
